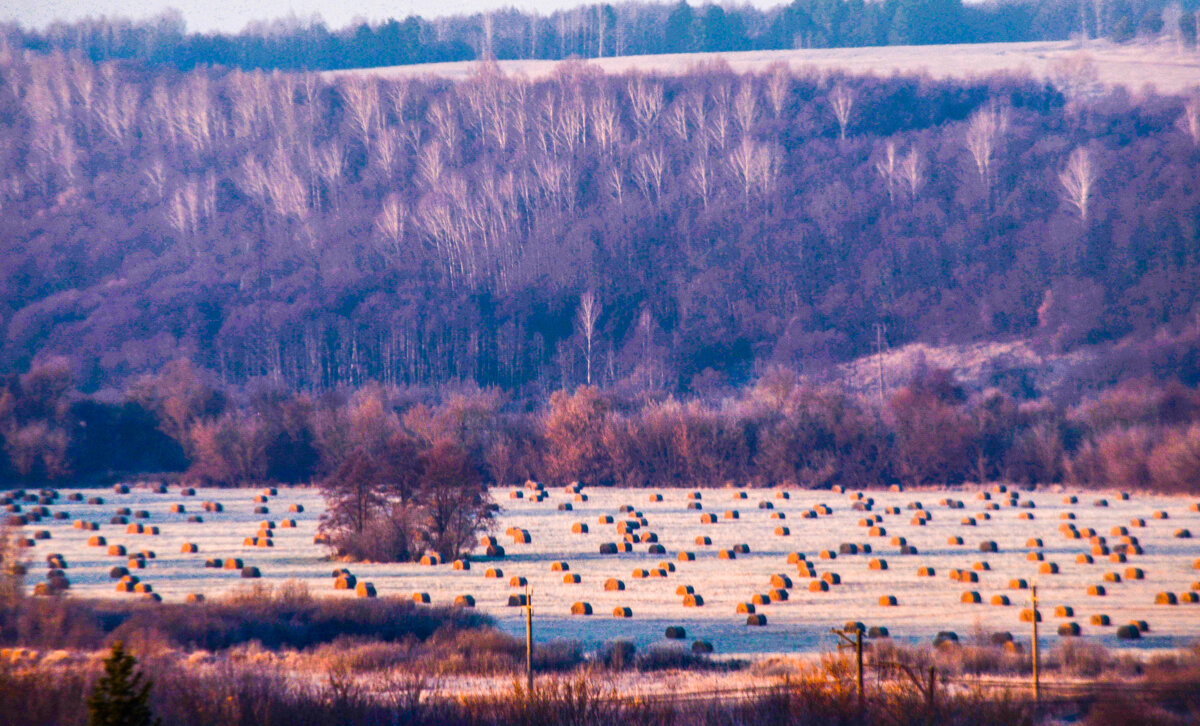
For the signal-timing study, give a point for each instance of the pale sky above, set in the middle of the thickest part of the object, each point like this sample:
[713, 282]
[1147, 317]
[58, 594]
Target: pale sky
[233, 15]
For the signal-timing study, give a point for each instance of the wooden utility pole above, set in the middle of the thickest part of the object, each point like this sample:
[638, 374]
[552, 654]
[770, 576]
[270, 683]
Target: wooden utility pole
[529, 639]
[1037, 684]
[857, 644]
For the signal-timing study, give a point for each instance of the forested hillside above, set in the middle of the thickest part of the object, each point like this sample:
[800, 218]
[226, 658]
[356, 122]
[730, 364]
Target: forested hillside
[417, 232]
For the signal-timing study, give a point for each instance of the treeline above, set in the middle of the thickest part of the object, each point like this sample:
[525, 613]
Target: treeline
[600, 30]
[333, 232]
[407, 470]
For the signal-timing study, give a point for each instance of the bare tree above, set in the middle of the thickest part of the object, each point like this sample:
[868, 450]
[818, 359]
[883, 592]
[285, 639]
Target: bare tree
[585, 319]
[912, 172]
[645, 102]
[701, 175]
[985, 129]
[361, 97]
[886, 167]
[1190, 120]
[745, 107]
[841, 101]
[778, 86]
[1078, 180]
[390, 225]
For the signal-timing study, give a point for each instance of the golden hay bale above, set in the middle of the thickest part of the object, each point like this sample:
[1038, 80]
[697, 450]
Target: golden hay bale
[1191, 598]
[832, 578]
[494, 573]
[1035, 556]
[421, 598]
[135, 529]
[926, 571]
[622, 611]
[516, 494]
[1064, 611]
[345, 582]
[521, 536]
[1182, 534]
[827, 555]
[818, 586]
[877, 532]
[365, 589]
[1001, 600]
[732, 514]
[96, 541]
[686, 556]
[655, 497]
[778, 595]
[726, 555]
[981, 566]
[1048, 568]
[756, 620]
[195, 598]
[666, 565]
[116, 550]
[783, 531]
[264, 542]
[189, 548]
[430, 560]
[571, 578]
[518, 581]
[1026, 516]
[464, 601]
[888, 601]
[461, 565]
[1084, 559]
[878, 564]
[971, 597]
[581, 608]
[1160, 514]
[1166, 598]
[640, 573]
[954, 541]
[1096, 590]
[692, 600]
[579, 528]
[1134, 573]
[1100, 619]
[684, 590]
[1128, 632]
[1112, 577]
[646, 537]
[708, 518]
[559, 566]
[1069, 630]
[658, 572]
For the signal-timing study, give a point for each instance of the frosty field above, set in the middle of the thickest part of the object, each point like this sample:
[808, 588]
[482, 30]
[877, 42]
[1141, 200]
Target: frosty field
[924, 605]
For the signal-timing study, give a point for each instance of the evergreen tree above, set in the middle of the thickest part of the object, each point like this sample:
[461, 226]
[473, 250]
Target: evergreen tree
[121, 697]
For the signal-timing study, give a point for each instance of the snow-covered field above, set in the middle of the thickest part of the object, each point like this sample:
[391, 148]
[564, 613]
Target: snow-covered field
[925, 605]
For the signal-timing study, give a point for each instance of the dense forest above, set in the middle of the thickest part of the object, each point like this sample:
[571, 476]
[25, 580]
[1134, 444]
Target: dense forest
[674, 234]
[633, 28]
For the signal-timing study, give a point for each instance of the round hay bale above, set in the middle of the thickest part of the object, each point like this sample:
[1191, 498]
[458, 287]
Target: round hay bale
[494, 551]
[981, 566]
[726, 555]
[622, 611]
[676, 632]
[1001, 600]
[708, 518]
[781, 580]
[1161, 514]
[518, 581]
[926, 571]
[968, 522]
[189, 548]
[345, 582]
[581, 608]
[1018, 583]
[888, 601]
[251, 572]
[1064, 611]
[1166, 598]
[565, 507]
[732, 514]
[655, 497]
[608, 548]
[571, 578]
[1069, 630]
[1028, 615]
[1112, 577]
[579, 528]
[878, 564]
[1096, 590]
[832, 578]
[988, 546]
[757, 620]
[581, 498]
[1183, 534]
[1048, 568]
[96, 541]
[1137, 522]
[1035, 557]
[262, 510]
[656, 549]
[195, 598]
[494, 573]
[116, 550]
[461, 565]
[234, 563]
[945, 638]
[464, 601]
[766, 505]
[796, 558]
[1100, 619]
[692, 600]
[685, 590]
[421, 598]
[365, 589]
[1128, 632]
[430, 560]
[744, 608]
[613, 584]
[1084, 559]
[782, 531]
[1135, 573]
[818, 586]
[954, 541]
[666, 565]
[516, 494]
[559, 566]
[658, 572]
[1191, 598]
[847, 548]
[971, 597]
[1028, 516]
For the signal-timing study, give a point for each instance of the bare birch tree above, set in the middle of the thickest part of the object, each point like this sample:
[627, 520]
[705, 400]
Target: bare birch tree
[585, 319]
[841, 101]
[1078, 180]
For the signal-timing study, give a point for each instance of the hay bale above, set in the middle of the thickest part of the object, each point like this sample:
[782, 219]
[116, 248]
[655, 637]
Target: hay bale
[1096, 590]
[1134, 573]
[945, 638]
[1128, 632]
[1112, 577]
[96, 541]
[888, 601]
[695, 506]
[345, 581]
[430, 560]
[559, 566]
[988, 546]
[579, 528]
[732, 514]
[1166, 598]
[608, 548]
[796, 558]
[571, 578]
[878, 564]
[1161, 514]
[926, 571]
[1048, 568]
[705, 541]
[782, 532]
[686, 556]
[494, 551]
[464, 601]
[1035, 557]
[195, 598]
[189, 548]
[234, 563]
[726, 555]
[1028, 516]
[251, 572]
[1137, 522]
[847, 548]
[421, 598]
[708, 518]
[968, 522]
[622, 611]
[516, 494]
[1183, 534]
[1069, 630]
[981, 566]
[1100, 619]
[1018, 583]
[494, 573]
[1064, 611]
[658, 572]
[640, 573]
[581, 608]
[756, 620]
[1084, 559]
[676, 632]
[971, 597]
[1001, 600]
[954, 541]
[656, 549]
[262, 510]
[1191, 598]
[832, 578]
[365, 589]
[684, 590]
[781, 580]
[692, 600]
[818, 586]
[766, 505]
[565, 507]
[461, 565]
[116, 550]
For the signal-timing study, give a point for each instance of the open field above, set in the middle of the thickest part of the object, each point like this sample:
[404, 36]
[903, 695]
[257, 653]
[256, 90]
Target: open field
[924, 605]
[1135, 66]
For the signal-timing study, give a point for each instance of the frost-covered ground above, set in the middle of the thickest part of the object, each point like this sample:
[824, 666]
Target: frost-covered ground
[926, 605]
